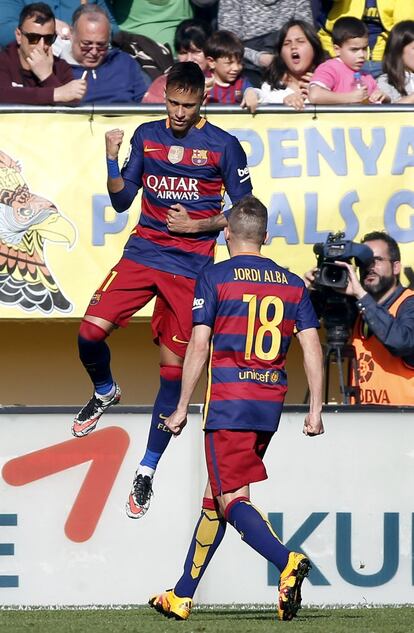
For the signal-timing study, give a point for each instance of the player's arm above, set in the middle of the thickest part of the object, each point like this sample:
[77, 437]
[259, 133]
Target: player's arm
[235, 171]
[195, 359]
[215, 223]
[113, 142]
[179, 221]
[121, 191]
[313, 365]
[306, 325]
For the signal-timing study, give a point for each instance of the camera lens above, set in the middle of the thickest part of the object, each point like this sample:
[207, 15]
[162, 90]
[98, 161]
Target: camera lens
[334, 276]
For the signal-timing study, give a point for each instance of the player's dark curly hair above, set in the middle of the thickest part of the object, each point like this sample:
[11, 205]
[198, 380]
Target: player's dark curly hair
[186, 76]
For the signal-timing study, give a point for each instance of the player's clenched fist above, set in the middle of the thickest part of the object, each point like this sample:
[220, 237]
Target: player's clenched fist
[113, 141]
[176, 422]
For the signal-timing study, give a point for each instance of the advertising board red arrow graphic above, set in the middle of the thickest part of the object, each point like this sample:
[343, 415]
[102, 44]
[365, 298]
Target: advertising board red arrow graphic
[105, 449]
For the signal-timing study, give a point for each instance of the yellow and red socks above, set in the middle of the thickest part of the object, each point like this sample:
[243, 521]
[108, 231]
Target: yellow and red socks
[207, 536]
[256, 531]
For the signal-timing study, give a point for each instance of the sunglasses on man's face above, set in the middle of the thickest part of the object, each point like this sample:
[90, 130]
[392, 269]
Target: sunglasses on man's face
[34, 38]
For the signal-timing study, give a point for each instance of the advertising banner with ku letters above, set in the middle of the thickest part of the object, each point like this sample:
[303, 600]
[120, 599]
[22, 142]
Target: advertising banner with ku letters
[344, 499]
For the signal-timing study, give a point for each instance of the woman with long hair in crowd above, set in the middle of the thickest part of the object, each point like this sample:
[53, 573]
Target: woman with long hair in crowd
[398, 64]
[297, 52]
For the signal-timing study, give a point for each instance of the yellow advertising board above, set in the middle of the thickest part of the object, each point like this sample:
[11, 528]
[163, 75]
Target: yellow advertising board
[59, 236]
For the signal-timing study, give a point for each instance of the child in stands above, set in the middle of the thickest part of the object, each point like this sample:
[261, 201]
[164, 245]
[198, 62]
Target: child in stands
[190, 46]
[398, 79]
[341, 80]
[224, 52]
[297, 53]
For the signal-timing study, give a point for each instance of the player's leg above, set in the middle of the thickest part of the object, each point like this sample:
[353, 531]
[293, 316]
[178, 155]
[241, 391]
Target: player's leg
[171, 324]
[208, 534]
[95, 357]
[125, 290]
[159, 435]
[230, 473]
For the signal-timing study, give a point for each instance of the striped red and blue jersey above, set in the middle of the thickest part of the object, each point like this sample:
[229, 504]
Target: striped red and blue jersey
[253, 307]
[194, 171]
[232, 93]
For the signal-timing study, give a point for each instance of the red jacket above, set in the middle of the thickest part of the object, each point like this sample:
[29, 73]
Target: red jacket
[22, 86]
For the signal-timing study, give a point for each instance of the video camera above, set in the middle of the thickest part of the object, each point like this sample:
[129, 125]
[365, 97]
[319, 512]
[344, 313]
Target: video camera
[336, 248]
[336, 309]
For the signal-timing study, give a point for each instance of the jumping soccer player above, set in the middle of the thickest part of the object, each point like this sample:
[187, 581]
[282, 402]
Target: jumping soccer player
[245, 312]
[183, 164]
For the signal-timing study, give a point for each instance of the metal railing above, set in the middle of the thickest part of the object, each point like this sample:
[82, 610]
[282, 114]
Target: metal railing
[209, 109]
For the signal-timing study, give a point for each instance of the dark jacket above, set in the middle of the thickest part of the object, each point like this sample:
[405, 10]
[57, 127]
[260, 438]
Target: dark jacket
[22, 86]
[62, 9]
[119, 79]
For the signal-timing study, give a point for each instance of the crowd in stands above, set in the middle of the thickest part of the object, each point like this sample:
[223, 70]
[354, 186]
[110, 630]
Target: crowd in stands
[252, 52]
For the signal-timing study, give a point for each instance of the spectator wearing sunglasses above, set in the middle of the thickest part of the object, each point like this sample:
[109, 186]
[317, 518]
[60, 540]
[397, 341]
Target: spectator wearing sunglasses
[112, 75]
[29, 73]
[62, 9]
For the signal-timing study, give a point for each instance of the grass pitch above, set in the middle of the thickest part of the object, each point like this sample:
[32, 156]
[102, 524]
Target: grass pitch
[218, 619]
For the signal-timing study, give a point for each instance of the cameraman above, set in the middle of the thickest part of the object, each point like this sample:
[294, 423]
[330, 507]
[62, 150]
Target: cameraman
[383, 332]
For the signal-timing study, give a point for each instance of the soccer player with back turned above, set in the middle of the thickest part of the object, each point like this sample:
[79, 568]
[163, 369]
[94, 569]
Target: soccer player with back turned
[183, 164]
[245, 311]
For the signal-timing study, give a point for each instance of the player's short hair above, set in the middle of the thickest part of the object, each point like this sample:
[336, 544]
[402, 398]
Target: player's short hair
[248, 219]
[393, 248]
[40, 11]
[347, 28]
[224, 44]
[191, 32]
[186, 76]
[94, 13]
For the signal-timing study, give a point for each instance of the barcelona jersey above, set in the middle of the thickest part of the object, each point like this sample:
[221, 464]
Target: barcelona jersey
[194, 171]
[230, 94]
[254, 307]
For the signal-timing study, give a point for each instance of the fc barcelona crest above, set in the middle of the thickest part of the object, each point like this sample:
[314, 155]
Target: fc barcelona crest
[175, 154]
[95, 299]
[199, 157]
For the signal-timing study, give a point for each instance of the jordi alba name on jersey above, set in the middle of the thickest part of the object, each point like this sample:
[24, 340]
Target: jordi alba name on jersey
[253, 307]
[194, 171]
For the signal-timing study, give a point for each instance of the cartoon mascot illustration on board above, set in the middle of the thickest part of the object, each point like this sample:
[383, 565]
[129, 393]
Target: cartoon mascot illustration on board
[27, 222]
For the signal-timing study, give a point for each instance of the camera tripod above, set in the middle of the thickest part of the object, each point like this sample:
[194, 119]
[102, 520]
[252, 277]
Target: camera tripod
[337, 352]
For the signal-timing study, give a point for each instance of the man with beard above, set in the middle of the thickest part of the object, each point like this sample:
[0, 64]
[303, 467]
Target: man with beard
[383, 332]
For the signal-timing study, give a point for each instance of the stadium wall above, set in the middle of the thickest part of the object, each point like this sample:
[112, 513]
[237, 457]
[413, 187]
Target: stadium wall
[345, 498]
